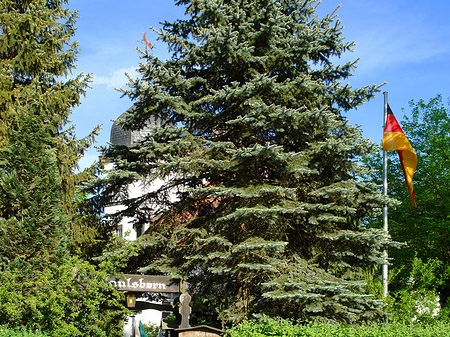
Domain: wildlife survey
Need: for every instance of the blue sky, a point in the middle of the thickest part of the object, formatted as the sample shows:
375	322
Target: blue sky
403	42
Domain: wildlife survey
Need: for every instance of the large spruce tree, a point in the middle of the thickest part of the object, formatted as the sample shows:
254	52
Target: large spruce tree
265	167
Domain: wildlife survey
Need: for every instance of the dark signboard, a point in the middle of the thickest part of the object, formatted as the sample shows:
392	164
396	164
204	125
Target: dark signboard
145	283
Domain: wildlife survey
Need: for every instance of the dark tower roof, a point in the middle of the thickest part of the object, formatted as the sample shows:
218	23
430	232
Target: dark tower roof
120	136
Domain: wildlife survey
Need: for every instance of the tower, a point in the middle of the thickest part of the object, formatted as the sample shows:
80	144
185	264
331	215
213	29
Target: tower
122	137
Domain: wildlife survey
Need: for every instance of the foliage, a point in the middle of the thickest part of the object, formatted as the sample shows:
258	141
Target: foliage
6	332
262	196
43	218
37	94
374	282
424	229
33	224
417	299
152	330
405	306
64	300
271	327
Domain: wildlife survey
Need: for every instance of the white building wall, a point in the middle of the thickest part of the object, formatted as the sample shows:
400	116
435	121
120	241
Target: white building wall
148	316
125	228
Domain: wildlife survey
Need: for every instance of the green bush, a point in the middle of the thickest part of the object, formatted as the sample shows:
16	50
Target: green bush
414	296
6	332
265	326
151	329
67	300
405	306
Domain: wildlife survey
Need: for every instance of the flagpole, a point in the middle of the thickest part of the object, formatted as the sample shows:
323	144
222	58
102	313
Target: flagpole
385	208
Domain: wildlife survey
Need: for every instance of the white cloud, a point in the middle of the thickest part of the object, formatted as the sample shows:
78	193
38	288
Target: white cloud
390	49
115	79
393	36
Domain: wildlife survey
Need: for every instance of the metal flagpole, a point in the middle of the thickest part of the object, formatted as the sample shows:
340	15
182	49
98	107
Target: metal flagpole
385	208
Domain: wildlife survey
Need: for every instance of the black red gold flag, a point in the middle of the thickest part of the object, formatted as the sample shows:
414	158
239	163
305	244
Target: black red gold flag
395	139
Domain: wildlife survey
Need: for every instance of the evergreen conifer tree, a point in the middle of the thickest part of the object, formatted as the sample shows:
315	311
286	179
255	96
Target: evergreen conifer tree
34	226
41	218
265	167
39	152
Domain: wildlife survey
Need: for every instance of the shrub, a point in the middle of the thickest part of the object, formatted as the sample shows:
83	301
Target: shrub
6	332
264	326
151	329
68	300
416	297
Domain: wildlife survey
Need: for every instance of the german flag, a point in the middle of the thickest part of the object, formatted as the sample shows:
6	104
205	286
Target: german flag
395	139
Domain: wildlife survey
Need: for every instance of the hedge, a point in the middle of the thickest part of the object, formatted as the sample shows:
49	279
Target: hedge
265	327
6	332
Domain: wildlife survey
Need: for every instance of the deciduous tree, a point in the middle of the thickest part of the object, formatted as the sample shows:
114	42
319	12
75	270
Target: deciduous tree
424	228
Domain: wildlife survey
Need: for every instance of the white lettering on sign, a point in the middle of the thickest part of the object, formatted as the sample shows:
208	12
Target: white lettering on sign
145	283
138	285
